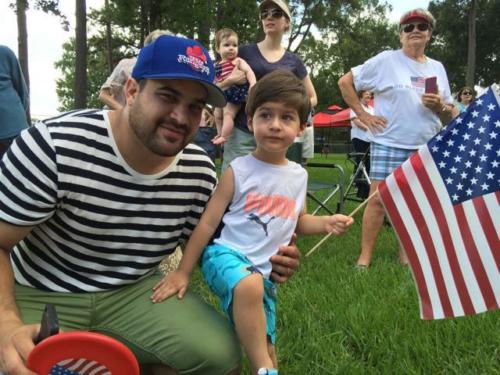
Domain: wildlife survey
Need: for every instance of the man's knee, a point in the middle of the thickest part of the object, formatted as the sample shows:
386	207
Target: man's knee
217	355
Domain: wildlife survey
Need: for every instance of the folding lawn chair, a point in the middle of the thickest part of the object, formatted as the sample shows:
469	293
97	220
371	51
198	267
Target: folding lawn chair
359	183
326	180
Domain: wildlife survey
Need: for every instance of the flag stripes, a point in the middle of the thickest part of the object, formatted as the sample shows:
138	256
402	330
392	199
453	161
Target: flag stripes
452	257
80	366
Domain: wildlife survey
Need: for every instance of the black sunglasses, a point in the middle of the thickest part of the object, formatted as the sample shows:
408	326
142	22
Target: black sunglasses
274	13
411	26
466	93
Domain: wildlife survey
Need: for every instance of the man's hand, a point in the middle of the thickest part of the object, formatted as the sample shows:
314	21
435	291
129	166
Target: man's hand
286	262
373	123
15	347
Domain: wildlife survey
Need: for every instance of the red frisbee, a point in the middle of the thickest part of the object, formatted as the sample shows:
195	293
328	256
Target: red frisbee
82	353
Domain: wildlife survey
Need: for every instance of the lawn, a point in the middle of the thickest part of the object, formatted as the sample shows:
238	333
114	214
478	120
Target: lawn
333	319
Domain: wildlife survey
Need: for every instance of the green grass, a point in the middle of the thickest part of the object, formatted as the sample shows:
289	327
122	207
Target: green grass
333	319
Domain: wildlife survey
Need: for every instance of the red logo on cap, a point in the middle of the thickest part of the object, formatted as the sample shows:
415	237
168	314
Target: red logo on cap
196	58
197	52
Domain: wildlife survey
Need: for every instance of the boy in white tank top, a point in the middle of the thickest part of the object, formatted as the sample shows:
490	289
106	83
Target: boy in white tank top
257	206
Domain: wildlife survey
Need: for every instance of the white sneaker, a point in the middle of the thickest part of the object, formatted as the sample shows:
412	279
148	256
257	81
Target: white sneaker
267	371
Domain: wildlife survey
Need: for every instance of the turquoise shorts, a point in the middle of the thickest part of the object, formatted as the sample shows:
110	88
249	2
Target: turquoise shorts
223	268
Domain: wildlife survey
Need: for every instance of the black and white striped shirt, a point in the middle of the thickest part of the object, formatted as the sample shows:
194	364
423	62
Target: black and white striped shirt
98	223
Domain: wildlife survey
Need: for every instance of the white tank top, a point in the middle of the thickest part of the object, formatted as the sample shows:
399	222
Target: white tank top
266	205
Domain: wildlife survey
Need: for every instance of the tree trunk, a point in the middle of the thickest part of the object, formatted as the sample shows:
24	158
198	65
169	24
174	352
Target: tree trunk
109	38
205	24
144	21
22	44
471	49
81	55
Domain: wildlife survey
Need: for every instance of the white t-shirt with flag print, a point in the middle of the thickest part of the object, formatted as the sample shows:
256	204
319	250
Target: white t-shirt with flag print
398	83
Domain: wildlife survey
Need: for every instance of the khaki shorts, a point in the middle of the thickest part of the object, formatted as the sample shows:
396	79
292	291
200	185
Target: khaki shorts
307	140
187	335
239	144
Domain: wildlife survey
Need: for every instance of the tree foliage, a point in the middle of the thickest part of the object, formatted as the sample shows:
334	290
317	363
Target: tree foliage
330	36
450	40
97	73
20	7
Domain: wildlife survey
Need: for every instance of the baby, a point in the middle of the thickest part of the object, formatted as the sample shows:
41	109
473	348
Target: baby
226	45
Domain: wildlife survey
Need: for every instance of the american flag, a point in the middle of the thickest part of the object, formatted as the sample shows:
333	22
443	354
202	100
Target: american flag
80	366
444	206
418	82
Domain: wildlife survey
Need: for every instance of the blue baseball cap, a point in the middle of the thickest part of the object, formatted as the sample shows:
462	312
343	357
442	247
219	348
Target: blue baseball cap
173	57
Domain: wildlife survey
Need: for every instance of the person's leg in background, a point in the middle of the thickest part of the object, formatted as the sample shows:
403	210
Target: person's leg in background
373	219
384	160
5	144
362	186
239	144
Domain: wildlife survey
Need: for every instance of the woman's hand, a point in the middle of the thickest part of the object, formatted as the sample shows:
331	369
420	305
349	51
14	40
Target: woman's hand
433	101
286	262
373	123
237	77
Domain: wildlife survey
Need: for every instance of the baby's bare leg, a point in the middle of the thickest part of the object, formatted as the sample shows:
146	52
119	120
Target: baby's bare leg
218	115
230	111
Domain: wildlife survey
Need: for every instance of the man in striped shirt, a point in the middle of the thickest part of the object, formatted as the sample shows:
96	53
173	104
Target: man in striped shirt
91	201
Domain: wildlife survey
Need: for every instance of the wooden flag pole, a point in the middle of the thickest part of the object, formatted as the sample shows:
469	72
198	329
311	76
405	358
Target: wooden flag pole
350	215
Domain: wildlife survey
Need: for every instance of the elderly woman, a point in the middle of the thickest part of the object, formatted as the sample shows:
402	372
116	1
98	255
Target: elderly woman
405	116
464	97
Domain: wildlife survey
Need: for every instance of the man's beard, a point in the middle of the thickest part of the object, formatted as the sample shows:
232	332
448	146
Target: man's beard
146	132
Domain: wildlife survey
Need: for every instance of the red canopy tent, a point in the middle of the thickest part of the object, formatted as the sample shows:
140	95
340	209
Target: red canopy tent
334	116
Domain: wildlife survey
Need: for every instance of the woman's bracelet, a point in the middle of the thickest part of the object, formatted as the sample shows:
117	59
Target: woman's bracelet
444	109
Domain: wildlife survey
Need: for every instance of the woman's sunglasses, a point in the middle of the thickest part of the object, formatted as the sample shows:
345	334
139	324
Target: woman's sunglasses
411	26
466	93
274	13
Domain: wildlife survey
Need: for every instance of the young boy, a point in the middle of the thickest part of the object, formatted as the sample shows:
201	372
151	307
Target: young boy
266	196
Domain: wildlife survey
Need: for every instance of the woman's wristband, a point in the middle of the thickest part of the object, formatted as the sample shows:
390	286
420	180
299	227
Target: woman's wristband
444	109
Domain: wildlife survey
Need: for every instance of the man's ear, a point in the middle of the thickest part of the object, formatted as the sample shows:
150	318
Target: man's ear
131	90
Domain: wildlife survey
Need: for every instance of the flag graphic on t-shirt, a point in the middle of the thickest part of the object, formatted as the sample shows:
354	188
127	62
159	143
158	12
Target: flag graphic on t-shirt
417	82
